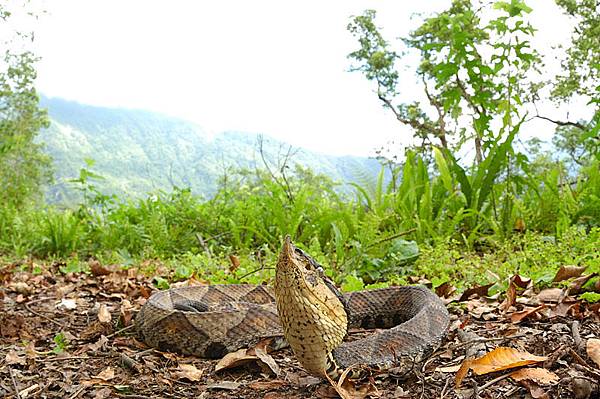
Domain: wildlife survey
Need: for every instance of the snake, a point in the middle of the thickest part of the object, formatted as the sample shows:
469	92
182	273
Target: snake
307	309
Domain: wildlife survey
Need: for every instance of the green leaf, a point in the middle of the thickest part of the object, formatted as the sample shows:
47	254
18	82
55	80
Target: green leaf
591	297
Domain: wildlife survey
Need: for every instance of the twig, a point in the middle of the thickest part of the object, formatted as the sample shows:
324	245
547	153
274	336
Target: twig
14	381
482	340
76	394
445	387
576	335
495	380
40	314
56	359
120	331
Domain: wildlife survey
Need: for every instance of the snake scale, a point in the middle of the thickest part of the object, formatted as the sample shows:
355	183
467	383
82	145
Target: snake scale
304	307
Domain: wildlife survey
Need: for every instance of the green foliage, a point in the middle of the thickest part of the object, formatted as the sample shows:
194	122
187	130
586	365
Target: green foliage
60	342
591	297
24	168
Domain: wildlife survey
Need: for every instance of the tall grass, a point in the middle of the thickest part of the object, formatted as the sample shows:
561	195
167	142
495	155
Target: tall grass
365	233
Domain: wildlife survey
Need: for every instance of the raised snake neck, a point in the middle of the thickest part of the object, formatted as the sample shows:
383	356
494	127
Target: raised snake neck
210	321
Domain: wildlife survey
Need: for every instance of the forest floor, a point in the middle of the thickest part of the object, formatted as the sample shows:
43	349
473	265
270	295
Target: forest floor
73	336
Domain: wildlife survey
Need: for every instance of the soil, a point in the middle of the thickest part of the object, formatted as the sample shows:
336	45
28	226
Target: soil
73	336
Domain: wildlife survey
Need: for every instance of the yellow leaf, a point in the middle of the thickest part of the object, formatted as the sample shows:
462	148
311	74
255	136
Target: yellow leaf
189	372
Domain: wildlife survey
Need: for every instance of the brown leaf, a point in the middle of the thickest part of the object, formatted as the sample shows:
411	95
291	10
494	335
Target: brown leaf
262	354
579	282
567	272
480	290
511	296
536	391
347	389
521	282
501	358
235	359
551	295
536	374
592	348
105	375
97	269
104	314
188	372
445	290
13	357
517	317
235	262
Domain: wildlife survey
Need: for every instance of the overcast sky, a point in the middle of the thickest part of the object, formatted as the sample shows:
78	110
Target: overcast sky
273	67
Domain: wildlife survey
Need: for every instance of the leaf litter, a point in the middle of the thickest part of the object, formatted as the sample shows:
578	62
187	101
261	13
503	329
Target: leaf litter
72	335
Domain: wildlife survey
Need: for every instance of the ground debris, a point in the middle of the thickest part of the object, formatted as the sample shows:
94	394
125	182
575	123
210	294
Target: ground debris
72	335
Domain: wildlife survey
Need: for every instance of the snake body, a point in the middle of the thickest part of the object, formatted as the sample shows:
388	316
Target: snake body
305	307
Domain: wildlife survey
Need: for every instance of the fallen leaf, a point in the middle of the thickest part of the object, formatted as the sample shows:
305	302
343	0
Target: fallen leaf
235	359
13	357
347	389
579	282
501	358
449	369
550	295
445	290
106	375
536	391
511	296
262	354
69	304
567	272
517	317
98	344
592	348
104	314
480	290
235	263
537	374
189	372
97	269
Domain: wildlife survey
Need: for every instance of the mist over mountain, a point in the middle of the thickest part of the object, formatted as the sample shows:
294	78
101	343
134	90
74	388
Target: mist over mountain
140	151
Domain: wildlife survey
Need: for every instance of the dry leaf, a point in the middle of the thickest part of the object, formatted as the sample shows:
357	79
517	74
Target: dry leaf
189	372
536	391
262	354
550	295
511	296
106	374
104	314
481	290
68	303
235	359
501	358
347	389
592	348
445	290
13	357
235	263
567	272
449	369
579	282
537	374
97	269
517	317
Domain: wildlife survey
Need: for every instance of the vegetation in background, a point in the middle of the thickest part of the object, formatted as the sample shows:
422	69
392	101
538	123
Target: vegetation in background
24	168
437	213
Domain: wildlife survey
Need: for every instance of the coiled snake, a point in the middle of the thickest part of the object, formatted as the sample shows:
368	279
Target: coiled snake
304	306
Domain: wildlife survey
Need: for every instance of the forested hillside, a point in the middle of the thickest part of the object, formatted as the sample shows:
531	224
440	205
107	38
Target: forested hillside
137	152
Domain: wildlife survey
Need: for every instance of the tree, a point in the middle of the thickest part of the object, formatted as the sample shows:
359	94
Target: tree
24	168
580	77
468	68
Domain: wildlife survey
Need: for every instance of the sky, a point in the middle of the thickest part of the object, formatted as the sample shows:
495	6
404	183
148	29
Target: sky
273	67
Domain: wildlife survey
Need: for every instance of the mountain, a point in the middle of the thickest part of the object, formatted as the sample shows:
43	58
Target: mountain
139	152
